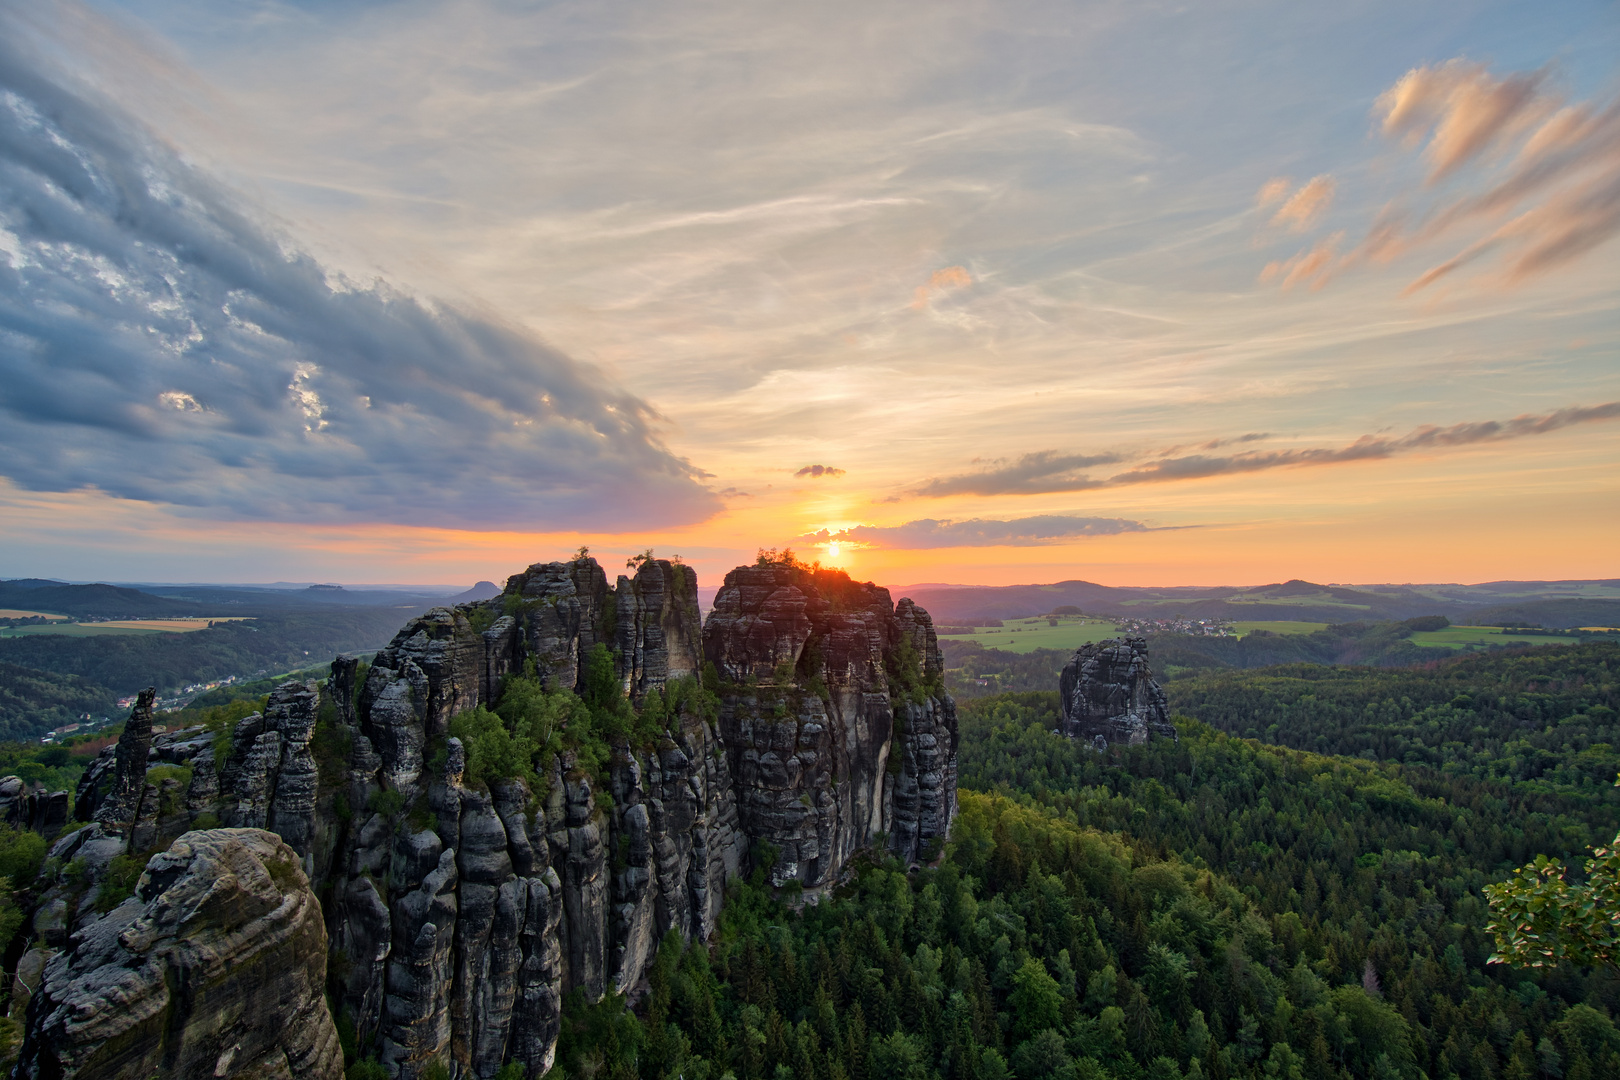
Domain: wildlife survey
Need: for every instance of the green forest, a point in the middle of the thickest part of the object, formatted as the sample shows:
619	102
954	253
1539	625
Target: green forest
1213	907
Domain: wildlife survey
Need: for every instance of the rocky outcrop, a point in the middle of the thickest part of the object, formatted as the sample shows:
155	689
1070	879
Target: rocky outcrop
1109	695
658	634
214	967
121	807
44	812
832	710
269	781
461	906
462	913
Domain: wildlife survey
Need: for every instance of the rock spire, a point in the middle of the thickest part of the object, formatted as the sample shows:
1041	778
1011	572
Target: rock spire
1109	695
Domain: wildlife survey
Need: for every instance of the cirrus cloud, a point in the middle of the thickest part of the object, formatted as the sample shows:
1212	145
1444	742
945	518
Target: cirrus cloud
160	342
1306	206
1512	168
1038	531
1049	472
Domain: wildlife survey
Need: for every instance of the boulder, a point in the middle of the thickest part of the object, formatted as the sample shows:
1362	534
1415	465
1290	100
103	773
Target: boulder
215	967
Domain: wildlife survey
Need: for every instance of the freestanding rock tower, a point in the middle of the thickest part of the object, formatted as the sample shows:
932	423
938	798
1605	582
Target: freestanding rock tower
834	716
1109	695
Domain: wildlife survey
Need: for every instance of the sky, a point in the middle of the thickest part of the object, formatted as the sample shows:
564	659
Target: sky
1138	293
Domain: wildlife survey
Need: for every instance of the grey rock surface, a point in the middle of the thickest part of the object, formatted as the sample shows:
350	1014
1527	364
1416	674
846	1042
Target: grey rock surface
121	807
834	717
215	967
459	913
1109	695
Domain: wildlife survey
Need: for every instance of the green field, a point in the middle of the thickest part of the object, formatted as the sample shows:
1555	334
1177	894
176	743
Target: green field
1027	635
1462	637
1280	627
73	630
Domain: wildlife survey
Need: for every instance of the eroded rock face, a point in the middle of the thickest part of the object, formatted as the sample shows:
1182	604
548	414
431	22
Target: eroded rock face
659	635
1109	695
269	781
463	915
214	968
45	812
459	914
121	806
834	717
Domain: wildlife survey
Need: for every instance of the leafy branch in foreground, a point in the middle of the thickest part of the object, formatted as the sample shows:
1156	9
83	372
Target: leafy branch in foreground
1542	920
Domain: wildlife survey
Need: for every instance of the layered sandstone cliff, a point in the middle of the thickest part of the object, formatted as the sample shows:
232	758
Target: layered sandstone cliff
834	714
459	911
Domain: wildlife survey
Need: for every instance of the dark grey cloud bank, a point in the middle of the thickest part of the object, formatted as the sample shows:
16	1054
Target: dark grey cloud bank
159	343
977	532
1050	472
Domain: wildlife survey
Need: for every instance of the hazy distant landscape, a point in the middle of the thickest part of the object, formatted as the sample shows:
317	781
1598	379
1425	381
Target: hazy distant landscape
71	650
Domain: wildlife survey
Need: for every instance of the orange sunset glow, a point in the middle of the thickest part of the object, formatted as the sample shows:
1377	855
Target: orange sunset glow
1146	322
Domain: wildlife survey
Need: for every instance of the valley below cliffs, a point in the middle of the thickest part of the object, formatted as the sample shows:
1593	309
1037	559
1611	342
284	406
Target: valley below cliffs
517	799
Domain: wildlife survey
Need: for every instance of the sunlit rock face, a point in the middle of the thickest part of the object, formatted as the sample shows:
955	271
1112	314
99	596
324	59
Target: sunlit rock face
1109	695
457	913
834	716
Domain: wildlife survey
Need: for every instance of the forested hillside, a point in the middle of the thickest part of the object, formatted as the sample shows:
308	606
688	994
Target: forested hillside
125	663
46	679
1215	907
1550	714
32	701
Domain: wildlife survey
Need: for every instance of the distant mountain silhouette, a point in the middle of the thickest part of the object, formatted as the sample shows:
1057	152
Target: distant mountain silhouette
484	590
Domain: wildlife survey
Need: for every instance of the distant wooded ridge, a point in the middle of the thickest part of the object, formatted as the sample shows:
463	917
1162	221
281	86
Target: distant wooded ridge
1553	604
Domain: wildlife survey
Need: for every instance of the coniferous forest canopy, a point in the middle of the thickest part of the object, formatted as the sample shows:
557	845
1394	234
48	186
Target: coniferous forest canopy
1216	907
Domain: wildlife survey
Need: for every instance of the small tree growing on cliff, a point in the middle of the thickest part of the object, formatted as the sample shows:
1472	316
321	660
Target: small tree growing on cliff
785	558
636	562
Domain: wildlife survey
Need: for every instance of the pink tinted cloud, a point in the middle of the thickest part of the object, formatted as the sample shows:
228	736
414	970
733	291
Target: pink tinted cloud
1463	109
1274	190
1307	205
941	281
1531	183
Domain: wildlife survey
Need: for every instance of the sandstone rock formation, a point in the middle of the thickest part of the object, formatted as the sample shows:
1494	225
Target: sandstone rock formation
460	907
1109	695
45	812
215	967
834	715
